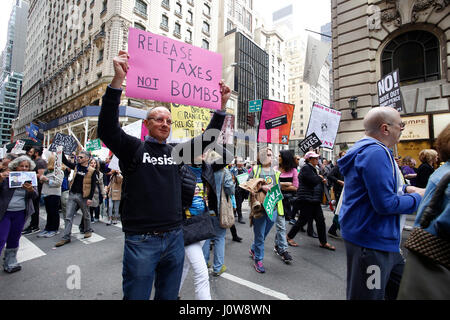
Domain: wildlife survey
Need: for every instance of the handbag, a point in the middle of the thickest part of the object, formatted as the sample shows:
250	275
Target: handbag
199	227
226	216
427	269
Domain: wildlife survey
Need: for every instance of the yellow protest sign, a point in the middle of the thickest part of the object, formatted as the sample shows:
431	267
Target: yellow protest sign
188	121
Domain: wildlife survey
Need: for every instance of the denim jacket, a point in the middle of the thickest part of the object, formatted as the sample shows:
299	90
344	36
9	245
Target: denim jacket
443	221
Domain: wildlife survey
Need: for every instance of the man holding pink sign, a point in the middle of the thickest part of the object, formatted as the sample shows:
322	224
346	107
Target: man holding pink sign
151	194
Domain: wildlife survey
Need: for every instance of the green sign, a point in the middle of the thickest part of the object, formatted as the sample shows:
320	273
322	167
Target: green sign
93	145
272	197
254	105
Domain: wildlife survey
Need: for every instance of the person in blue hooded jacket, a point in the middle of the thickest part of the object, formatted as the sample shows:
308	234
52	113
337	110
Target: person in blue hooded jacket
374	200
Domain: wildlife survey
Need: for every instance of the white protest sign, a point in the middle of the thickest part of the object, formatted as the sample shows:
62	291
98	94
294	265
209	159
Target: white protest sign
324	122
18	178
18	147
58	159
133	129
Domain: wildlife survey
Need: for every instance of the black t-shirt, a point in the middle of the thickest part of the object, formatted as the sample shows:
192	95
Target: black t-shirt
77	185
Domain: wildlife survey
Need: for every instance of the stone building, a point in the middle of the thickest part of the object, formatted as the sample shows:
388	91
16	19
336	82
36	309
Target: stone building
371	39
71	45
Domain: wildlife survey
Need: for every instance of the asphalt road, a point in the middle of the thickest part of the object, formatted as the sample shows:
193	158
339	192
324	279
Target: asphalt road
49	273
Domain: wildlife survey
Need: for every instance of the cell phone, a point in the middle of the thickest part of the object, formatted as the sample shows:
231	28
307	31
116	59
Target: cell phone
28	181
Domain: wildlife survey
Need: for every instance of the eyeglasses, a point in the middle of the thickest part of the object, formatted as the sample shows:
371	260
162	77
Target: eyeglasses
401	124
161	121
80	157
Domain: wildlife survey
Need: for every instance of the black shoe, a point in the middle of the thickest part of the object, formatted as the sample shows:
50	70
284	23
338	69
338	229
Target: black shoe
30	230
241	221
237	239
286	257
313	235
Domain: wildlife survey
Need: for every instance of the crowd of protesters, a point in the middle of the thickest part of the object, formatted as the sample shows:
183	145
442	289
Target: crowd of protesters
154	195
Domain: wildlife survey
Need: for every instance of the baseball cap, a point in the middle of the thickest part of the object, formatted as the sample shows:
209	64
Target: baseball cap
311	154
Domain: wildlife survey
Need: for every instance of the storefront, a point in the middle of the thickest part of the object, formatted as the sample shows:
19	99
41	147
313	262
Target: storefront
82	124
420	133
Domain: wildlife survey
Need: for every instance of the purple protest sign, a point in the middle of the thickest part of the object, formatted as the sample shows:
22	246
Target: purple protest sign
167	70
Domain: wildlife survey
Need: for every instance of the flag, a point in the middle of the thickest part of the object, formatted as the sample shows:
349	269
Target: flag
316	53
33	131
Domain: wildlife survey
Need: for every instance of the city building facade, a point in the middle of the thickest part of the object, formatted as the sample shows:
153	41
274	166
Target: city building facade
374	38
81	39
12	68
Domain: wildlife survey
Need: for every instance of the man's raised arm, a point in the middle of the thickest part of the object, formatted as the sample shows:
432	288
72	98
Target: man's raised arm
109	131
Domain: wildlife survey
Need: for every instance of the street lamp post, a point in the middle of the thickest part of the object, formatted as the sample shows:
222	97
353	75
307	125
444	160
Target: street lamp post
235	64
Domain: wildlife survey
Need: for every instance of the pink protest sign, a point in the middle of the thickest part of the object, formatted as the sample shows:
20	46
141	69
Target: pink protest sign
167	70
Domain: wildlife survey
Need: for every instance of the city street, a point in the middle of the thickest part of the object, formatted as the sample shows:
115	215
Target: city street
48	273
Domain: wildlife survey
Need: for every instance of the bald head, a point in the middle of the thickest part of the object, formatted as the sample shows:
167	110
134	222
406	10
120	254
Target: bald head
152	111
376	117
384	124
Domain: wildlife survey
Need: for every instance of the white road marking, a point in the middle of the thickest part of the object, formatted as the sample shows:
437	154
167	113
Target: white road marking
257	287
27	250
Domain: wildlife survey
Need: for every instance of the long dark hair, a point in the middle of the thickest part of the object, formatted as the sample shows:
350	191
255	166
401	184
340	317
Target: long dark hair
287	160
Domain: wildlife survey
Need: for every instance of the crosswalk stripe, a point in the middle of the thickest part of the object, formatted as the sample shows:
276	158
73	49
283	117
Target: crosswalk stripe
28	250
256	287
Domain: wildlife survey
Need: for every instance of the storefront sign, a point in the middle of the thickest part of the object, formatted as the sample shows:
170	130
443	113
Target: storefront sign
416	128
440	121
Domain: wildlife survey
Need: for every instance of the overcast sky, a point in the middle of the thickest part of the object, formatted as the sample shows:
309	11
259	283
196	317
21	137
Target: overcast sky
309	14
5	12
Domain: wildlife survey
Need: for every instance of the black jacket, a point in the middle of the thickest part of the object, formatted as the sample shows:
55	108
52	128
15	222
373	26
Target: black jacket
151	190
423	174
310	185
188	181
333	177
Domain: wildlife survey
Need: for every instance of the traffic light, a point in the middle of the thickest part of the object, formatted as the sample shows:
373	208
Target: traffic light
250	119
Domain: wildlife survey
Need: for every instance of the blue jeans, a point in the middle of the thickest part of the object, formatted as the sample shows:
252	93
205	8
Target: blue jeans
261	228
280	237
148	257
219	246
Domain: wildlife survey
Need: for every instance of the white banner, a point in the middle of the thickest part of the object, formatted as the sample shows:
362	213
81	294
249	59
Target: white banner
58	158
316	53
18	147
133	129
324	122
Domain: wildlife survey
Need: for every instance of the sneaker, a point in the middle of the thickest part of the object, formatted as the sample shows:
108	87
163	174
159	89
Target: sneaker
292	221
51	234
12	269
259	267
62	242
42	234
30	230
87	234
286	257
222	270
276	250
252	254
